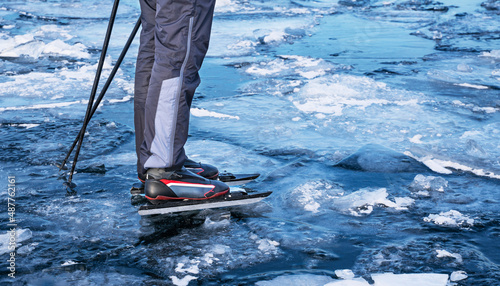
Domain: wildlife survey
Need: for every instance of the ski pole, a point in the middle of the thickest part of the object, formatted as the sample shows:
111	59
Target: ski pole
94	87
104	89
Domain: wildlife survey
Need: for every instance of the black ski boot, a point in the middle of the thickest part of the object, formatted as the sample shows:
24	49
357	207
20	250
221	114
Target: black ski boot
162	185
205	170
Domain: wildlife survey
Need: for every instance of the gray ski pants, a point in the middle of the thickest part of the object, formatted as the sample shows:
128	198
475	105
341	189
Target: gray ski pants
173	43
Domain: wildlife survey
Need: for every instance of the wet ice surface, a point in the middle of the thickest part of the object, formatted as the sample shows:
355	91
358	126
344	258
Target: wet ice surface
375	123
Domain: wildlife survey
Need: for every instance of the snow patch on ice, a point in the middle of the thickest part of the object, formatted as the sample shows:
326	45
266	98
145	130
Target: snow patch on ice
69	262
441	166
469	85
363	201
20	236
124	99
350	282
220	249
460	167
311	196
297	280
416	139
193	268
183	281
344	273
267	245
458	276
380	279
42	106
417	279
200	112
306	67
222	6
492	54
475	108
333	94
444	253
451	218
210	224
27	45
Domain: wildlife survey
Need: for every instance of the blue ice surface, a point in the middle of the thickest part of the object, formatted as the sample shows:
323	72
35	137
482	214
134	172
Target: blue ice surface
404	94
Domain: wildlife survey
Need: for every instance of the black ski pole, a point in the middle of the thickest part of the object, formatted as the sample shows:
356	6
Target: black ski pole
105	88
94	87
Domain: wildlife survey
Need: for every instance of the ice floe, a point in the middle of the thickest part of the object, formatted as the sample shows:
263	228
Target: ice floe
423	184
427	279
458	276
28	45
380	159
362	202
450	218
333	94
344	273
380	279
184	281
16	237
318	196
444	253
297	280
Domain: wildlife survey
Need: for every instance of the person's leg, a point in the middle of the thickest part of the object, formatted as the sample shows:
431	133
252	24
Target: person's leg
182	35
144	66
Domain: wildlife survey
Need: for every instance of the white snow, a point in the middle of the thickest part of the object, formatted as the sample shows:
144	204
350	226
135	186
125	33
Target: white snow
27	45
193	269
297	280
440	166
469	85
68	263
25	125
124	99
316	196
363	201
311	196
458	276
220	249
475	108
21	235
444	253
183	281
493	54
344	273
267	245
458	166
420	279
42	106
353	282
200	112
306	67
210	224
380	279
416	139
275	36
451	218
332	94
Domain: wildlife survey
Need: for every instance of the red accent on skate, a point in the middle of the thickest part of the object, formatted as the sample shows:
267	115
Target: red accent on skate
165	198
214	176
166	182
140	179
